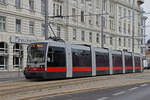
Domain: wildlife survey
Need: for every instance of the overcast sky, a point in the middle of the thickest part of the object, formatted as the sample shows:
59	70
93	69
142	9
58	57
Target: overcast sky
146	7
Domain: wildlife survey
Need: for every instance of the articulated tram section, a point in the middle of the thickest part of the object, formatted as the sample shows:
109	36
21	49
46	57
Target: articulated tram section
57	60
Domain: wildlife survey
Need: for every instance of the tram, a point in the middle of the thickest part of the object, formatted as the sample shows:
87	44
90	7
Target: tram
56	60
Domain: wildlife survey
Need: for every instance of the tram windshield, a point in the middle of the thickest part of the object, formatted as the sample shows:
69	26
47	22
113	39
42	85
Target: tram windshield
36	53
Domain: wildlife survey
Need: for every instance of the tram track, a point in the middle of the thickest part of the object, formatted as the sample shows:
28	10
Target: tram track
14	88
23	87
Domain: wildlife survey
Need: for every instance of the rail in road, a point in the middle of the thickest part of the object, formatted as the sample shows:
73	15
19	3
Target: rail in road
32	89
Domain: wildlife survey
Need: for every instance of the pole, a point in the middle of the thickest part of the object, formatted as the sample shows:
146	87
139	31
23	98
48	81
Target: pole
102	25
144	19
133	33
46	19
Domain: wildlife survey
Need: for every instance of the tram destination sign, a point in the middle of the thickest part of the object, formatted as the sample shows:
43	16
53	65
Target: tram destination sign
24	40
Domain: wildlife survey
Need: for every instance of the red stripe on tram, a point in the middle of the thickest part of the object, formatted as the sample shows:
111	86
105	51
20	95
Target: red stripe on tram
117	68
129	67
102	68
35	69
64	69
137	67
56	69
77	69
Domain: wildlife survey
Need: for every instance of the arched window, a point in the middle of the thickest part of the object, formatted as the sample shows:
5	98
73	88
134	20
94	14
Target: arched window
3	55
17	56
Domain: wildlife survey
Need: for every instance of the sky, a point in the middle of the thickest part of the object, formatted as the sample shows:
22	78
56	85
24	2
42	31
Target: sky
146	7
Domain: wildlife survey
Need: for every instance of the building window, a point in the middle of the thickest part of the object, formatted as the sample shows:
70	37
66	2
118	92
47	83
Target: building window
17	56
97	20
125	12
119	41
58	31
124	27
124	42
120	26
54	9
43	29
3	55
82	35
31	27
73	14
43	6
104	39
110	24
129	14
18	25
104	4
2	1
129	42
18	3
90	19
120	11
31	4
97	3
111	41
97	38
2	23
104	21
57	10
74	34
61	10
82	16
90	37
138	41
129	29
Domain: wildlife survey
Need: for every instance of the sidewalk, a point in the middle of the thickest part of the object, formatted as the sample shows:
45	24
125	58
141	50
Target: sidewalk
9	75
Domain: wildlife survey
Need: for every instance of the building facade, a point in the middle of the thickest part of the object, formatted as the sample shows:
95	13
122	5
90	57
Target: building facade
20	24
75	21
82	22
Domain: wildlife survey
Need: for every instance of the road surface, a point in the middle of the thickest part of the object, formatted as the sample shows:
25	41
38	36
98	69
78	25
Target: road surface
133	92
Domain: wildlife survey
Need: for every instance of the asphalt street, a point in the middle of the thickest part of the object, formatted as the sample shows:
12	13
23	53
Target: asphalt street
132	92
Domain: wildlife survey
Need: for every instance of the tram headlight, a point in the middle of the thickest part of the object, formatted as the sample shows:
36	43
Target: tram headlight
41	66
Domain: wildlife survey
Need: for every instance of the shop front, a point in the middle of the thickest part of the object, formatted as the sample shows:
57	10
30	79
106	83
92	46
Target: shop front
13	54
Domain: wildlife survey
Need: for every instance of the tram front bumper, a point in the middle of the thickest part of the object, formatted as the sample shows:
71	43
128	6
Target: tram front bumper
35	74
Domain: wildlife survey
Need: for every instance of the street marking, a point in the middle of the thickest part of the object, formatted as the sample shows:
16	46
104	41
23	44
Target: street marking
143	85
119	93
103	98
133	88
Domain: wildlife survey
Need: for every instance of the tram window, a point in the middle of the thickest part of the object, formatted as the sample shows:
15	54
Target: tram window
128	60
102	59
56	57
117	60
50	56
81	58
137	61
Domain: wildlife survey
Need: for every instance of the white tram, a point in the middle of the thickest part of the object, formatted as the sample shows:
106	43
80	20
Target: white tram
54	60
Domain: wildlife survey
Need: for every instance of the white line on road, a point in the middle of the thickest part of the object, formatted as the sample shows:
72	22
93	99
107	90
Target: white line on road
143	85
119	93
103	98
133	88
